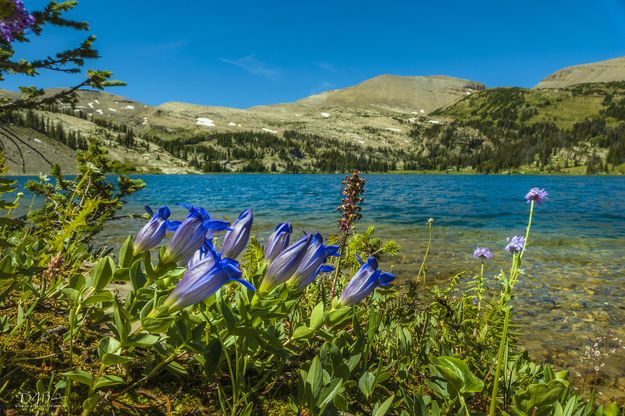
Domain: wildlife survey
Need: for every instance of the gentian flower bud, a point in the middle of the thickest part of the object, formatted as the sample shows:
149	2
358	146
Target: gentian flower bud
202	279
278	241
364	282
190	235
153	232
285	264
237	237
312	263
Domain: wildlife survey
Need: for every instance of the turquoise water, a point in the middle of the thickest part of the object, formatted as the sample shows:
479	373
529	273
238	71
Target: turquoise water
573	288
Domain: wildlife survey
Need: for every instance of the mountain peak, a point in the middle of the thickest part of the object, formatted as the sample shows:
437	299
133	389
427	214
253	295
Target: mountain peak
602	71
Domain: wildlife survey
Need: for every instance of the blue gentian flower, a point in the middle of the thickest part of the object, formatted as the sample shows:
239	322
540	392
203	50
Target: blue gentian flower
482	253
364	282
278	241
312	263
536	194
515	244
237	237
285	264
202	279
191	234
154	231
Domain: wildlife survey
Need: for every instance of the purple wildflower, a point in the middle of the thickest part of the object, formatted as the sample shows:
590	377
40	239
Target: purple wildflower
515	244
203	278
285	264
364	282
154	231
536	194
191	235
482	253
237	237
16	22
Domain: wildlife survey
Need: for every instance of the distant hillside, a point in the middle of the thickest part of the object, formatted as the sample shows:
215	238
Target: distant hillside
383	124
603	71
580	129
399	93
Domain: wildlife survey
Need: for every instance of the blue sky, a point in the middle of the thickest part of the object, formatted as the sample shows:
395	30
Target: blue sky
245	53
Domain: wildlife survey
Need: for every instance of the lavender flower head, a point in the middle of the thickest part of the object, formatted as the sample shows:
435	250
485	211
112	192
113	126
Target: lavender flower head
313	262
364	282
237	237
154	231
191	235
15	20
278	241
285	264
536	194
203	278
482	253
515	244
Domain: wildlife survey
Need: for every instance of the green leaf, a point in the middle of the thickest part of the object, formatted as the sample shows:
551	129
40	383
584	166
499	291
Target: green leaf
77	282
71	294
90	403
316	317
302	332
612	409
125	253
338	316
315	377
457	373
102	273
142	340
108	380
137	277
366	383
114	359
384	407
108	345
538	399
80	376
340	402
99	297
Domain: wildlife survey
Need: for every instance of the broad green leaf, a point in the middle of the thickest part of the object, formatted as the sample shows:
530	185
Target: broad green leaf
102	296
302	332
314	377
114	359
142	340
102	273
366	383
108	345
125	253
384	407
80	376
457	373
108	380
316	317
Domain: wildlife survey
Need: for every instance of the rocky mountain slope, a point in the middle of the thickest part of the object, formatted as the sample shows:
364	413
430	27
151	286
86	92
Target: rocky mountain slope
385	123
603	71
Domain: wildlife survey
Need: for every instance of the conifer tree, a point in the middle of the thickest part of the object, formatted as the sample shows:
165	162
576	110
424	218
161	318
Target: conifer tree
18	25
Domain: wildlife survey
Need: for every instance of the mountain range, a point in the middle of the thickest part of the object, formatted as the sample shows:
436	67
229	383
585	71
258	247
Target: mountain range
385	123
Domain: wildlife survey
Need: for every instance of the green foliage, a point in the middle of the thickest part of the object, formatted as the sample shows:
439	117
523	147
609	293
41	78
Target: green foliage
505	129
405	350
69	61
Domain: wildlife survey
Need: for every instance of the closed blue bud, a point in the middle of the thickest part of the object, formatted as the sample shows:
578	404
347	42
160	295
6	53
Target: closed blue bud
278	241
237	237
190	235
153	232
364	282
202	279
285	264
312	263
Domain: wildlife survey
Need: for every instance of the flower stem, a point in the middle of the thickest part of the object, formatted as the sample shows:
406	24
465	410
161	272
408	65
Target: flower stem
502	344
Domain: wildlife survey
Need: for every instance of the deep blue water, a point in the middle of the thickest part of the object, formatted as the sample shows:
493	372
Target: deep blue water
574	283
